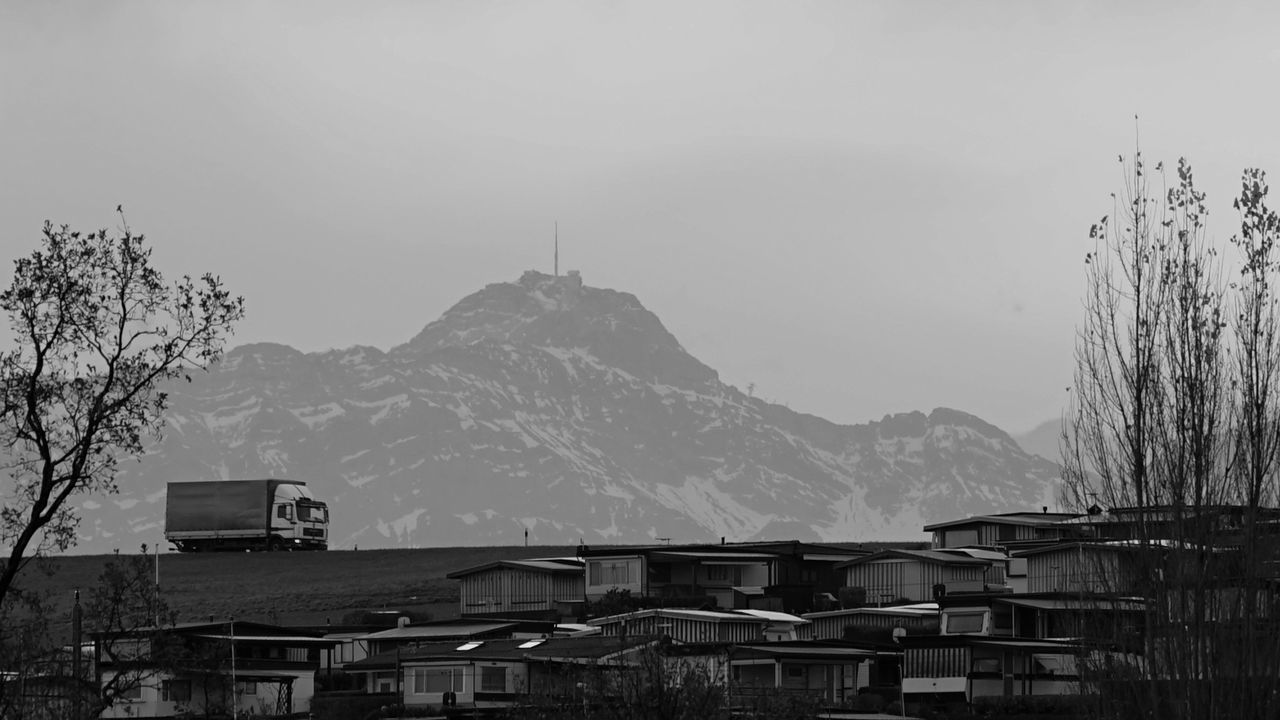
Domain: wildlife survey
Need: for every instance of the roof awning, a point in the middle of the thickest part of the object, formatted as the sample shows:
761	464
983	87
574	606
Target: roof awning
292	640
804	653
1063	604
714	558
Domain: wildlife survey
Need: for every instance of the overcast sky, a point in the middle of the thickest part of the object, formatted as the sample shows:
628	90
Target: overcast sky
860	207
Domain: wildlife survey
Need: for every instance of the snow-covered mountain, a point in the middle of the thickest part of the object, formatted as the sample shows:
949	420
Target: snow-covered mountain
566	410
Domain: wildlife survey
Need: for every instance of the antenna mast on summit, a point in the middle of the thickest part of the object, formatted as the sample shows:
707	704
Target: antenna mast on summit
557	265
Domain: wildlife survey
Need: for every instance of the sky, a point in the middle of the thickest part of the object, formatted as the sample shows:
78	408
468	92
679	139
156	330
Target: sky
858	208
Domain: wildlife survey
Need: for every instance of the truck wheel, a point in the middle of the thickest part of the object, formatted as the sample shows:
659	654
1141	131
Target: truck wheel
273	545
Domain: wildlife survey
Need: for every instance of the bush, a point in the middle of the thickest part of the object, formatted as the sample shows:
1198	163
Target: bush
866	703
347	706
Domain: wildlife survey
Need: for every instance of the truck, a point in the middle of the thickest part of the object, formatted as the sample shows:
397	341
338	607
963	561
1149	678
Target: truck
269	514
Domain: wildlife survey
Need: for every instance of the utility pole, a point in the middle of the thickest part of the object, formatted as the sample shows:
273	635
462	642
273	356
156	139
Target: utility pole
234	710
76	651
557	262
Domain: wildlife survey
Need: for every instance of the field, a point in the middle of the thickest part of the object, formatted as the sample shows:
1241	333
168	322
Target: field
286	588
304	588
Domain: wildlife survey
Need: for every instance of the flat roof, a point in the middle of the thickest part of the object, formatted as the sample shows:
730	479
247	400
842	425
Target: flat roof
714	558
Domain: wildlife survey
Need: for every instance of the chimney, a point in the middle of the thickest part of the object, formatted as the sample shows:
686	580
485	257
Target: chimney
1044	509
721	539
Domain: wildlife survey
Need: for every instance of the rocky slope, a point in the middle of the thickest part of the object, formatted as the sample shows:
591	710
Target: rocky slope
571	412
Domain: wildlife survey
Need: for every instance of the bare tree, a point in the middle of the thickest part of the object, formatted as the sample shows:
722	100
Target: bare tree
1174	417
97	333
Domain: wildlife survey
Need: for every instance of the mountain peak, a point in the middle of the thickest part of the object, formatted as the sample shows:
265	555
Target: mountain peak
562	313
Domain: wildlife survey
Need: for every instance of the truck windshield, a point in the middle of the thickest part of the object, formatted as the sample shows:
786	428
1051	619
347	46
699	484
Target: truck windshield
313	513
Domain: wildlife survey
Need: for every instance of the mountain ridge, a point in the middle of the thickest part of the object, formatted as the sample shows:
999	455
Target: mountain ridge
568	411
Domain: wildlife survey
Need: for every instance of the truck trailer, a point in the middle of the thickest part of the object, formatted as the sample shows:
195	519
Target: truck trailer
266	514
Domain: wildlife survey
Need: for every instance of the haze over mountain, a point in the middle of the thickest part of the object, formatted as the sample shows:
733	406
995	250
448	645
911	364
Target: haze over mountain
570	412
1044	440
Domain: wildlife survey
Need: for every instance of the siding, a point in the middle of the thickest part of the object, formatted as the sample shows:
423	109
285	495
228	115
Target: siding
894	578
983	533
683	629
1074	569
625	572
831	627
505	589
936	662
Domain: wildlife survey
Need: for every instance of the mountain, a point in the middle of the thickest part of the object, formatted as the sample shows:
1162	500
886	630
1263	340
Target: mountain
568	411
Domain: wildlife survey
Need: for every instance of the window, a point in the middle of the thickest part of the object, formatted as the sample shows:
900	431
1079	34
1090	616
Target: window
346	652
175	691
1053	664
428	680
132	693
725	574
967	622
246	687
284	512
988	666
614	572
493	679
128	649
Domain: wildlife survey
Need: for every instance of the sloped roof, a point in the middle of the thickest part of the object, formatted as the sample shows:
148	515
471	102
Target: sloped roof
774	548
554	649
561	566
1018	518
803	650
914	610
930	556
708	615
1075	604
439	631
774	616
241	629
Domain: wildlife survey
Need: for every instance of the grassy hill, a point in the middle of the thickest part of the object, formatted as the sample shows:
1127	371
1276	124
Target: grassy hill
286	588
295	588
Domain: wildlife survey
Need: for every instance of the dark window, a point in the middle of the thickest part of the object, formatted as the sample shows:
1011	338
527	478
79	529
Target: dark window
493	679
965	622
175	690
